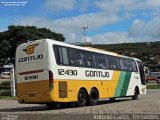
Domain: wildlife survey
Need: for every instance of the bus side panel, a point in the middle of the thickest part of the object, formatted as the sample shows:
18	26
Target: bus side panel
70	89
123	83
111	85
106	88
135	81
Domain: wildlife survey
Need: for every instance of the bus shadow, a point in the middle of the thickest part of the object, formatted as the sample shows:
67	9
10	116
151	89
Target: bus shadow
44	108
110	102
23	109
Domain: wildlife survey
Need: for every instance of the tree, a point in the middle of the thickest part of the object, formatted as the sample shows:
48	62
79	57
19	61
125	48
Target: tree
15	35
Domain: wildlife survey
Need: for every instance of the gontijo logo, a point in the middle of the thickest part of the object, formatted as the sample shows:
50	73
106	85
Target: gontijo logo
30	49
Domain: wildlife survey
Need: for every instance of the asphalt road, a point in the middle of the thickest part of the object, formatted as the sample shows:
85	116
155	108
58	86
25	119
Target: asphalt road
125	108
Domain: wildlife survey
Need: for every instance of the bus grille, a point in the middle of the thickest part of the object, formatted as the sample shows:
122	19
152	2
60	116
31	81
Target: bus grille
62	89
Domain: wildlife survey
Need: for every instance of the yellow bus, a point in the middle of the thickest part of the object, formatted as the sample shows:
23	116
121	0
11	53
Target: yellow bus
50	72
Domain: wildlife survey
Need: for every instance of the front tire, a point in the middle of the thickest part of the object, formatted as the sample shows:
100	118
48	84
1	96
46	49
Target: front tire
136	93
82	98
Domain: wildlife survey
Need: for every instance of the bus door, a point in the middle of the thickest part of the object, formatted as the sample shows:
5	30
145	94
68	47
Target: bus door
141	71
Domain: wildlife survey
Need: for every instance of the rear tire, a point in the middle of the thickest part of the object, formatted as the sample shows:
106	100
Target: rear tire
82	98
136	93
93	97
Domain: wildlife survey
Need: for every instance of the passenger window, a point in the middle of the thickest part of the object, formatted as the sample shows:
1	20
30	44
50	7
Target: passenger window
128	65
57	56
114	63
65	56
102	61
76	57
134	66
89	59
61	55
124	64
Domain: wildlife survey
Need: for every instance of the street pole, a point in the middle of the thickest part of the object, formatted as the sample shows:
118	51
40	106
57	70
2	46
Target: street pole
13	82
84	28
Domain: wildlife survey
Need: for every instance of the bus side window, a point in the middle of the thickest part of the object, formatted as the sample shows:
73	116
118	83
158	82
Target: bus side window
123	67
56	52
114	63
61	55
65	56
89	59
76	58
102	61
134	66
141	71
128	65
87	63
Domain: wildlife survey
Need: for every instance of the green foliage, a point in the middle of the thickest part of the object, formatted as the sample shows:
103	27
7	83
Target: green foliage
5	83
153	86
5	88
5	93
139	48
15	35
8	97
149	53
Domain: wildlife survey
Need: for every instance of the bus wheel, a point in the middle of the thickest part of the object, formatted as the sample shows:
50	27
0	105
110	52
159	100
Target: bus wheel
51	105
136	93
93	98
82	98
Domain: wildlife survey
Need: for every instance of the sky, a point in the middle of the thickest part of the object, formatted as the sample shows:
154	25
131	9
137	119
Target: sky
108	21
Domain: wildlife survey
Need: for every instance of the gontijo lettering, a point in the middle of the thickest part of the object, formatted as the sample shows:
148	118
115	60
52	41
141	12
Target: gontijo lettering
96	73
30	58
30	50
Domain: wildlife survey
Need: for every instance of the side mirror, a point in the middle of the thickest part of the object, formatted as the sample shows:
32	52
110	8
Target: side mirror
146	71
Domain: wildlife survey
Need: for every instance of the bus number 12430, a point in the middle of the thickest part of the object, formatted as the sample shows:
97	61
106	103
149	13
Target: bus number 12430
67	72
